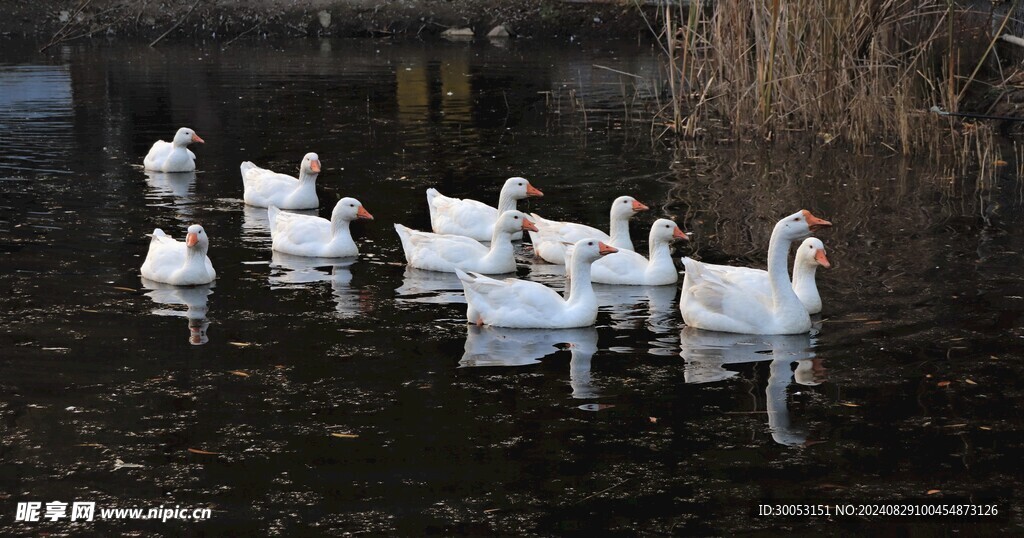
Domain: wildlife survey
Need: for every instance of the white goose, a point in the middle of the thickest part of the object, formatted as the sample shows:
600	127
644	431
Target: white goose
446	252
809	255
475	219
711	302
549	241
181	264
315	237
173	156
629	268
265	188
530	305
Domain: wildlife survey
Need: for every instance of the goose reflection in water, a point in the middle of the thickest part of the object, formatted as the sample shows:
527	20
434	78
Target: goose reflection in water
706	354
421	286
287	271
177	184
497	346
194	298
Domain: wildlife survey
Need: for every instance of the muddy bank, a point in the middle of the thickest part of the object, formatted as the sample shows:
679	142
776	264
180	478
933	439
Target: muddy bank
224	20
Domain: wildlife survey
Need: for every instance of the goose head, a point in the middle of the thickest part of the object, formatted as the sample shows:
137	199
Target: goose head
196	239
624	207
514	221
812	252
310	164
186	136
666	231
590	250
799	225
349	209
519	188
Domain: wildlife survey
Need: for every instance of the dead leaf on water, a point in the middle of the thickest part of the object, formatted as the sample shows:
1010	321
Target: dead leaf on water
934	491
986	428
239	373
489	510
942	384
970	381
122	288
203	452
999	162
90	445
653	420
849	404
345	435
240	344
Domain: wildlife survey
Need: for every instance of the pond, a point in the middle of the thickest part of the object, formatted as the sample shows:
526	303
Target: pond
321	397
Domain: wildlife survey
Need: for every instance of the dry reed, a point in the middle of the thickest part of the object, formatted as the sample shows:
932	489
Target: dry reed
861	71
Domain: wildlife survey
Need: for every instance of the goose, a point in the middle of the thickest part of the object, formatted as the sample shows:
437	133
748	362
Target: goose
315	237
446	252
809	256
181	264
474	219
173	156
265	188
522	304
629	268
710	302
548	241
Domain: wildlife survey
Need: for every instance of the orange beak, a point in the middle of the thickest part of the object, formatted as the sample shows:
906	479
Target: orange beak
533	191
195	138
637	206
191	239
363	213
820	256
314	166
604	249
527	225
814	223
678	234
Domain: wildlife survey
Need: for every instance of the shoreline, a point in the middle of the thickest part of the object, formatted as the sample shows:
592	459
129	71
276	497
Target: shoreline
48	22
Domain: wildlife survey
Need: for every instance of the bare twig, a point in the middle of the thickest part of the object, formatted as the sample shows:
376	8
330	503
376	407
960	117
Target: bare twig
177	24
54	40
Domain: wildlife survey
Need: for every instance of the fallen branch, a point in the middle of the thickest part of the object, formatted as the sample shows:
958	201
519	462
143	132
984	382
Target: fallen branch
232	40
177	24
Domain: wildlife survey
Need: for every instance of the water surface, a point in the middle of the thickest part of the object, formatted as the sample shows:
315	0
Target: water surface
909	383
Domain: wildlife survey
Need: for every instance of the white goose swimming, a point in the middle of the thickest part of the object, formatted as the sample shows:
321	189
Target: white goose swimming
446	252
265	188
475	219
809	256
530	305
179	263
173	156
316	237
551	236
710	302
630	268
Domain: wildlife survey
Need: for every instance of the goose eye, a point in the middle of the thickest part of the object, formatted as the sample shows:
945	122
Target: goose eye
590	244
516	217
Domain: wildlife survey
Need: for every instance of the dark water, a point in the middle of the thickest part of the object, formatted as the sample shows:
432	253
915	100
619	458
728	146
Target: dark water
910	383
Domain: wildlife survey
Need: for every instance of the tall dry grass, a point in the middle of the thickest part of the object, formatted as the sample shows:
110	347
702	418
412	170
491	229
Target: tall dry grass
860	71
